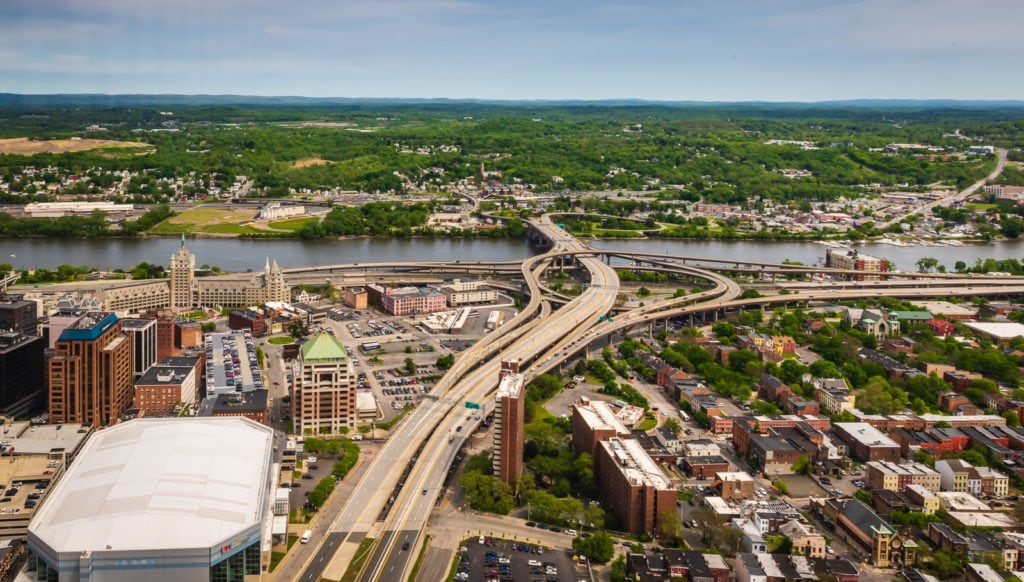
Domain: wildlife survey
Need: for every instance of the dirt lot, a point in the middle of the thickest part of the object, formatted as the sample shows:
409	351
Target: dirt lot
310	162
25	147
802	486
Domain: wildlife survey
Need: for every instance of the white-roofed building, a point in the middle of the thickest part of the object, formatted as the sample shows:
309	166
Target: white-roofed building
159	499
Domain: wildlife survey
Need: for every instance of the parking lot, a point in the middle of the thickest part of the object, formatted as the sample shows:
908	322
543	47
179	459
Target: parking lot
486	558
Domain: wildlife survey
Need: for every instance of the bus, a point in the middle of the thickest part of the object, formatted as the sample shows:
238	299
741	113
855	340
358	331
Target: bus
369	346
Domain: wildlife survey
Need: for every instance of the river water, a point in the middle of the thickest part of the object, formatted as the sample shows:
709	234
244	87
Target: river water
234	254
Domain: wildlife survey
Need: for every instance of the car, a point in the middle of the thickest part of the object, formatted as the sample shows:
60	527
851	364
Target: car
825	480
307	476
571	532
424	492
555	529
531	524
542	526
405	546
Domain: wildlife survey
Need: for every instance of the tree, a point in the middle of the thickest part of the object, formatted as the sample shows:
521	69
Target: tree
410	366
926	264
599	547
445	362
674	426
670	526
619	569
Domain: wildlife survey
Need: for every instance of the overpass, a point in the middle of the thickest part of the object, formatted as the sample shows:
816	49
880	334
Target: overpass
394	511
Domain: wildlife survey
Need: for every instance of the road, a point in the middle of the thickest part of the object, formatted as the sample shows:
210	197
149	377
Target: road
392	559
961	195
422	445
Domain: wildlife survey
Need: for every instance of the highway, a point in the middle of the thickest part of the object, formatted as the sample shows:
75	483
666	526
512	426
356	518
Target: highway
422	442
961	195
424	483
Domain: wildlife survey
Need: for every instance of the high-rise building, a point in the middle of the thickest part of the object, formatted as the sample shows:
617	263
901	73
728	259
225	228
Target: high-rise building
18	314
142	334
323	387
90	374
509	412
22	374
183	272
633	485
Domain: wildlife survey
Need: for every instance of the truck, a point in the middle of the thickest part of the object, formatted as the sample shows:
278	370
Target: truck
306	535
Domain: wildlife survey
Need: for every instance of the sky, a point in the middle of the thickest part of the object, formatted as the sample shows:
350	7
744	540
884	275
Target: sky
676	50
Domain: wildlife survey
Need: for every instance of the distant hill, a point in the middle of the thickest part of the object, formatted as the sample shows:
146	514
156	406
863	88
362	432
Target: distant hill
166	100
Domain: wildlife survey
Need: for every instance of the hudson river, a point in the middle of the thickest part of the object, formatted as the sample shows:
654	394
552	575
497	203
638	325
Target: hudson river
240	254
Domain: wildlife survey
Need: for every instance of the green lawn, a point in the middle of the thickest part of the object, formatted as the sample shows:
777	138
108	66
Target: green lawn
362	552
229	229
294	224
980	206
280	340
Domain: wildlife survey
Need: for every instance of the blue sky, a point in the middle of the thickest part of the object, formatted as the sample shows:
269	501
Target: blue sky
728	50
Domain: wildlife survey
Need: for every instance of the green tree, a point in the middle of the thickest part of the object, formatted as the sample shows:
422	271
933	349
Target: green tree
599	547
410	366
445	362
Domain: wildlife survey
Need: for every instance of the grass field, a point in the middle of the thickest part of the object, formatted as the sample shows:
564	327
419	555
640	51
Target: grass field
294	224
23	146
979	206
207	220
280	340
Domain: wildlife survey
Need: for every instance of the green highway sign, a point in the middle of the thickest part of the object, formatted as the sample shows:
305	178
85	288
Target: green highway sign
472	405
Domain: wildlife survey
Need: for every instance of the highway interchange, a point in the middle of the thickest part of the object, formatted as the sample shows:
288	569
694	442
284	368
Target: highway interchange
396	494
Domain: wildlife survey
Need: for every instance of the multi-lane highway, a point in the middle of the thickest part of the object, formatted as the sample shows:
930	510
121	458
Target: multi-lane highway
424	445
401	530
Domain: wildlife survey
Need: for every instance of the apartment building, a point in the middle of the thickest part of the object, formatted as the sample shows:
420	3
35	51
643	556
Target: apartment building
509	418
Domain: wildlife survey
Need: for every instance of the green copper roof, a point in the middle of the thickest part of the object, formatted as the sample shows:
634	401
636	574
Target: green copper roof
323	347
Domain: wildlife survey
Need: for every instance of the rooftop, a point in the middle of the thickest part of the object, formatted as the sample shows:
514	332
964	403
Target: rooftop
510	385
323	347
997	330
160	483
598	415
636	464
865	434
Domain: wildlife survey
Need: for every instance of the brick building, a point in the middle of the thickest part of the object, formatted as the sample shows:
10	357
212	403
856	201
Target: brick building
509	418
633	485
593	422
90	374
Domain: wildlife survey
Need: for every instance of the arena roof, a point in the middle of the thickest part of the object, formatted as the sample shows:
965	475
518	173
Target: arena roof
160	483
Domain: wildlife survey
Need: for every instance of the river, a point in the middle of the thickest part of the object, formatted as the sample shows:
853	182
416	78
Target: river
234	254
